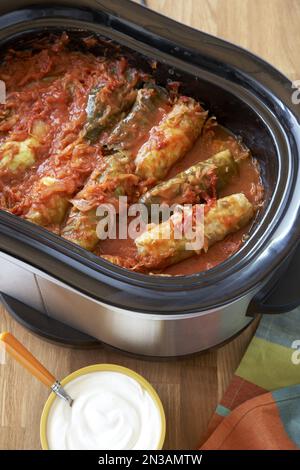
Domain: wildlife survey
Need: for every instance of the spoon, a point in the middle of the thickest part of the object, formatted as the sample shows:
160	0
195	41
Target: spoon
27	360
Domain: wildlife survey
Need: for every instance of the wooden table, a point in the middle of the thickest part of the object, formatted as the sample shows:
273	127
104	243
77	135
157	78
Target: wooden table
189	388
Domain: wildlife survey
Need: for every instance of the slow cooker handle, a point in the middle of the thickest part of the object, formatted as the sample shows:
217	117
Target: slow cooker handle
283	295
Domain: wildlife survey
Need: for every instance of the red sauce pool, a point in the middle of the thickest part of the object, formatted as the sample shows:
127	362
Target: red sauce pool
247	182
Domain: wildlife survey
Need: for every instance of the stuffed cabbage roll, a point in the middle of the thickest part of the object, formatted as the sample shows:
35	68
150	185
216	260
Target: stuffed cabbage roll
197	182
108	100
105	185
18	156
171	139
158	247
60	177
131	131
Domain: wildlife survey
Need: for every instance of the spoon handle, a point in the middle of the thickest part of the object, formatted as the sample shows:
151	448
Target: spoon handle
26	359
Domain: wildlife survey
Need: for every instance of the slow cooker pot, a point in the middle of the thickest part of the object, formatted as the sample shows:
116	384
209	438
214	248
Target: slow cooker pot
155	315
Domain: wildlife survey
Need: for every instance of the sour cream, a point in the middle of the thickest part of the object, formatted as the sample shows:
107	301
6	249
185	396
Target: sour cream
111	411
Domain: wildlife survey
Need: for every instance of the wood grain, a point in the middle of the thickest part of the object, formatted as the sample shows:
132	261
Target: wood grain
269	28
190	388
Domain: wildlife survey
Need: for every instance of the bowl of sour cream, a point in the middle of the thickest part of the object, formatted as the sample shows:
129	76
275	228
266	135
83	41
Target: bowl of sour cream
114	408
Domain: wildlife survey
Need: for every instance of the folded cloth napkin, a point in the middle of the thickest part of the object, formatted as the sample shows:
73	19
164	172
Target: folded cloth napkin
261	407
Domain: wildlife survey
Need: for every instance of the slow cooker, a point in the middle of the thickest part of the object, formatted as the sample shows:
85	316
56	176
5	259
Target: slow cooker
55	283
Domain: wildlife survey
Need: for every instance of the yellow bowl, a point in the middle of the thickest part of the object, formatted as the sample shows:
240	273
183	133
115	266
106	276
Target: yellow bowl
111	368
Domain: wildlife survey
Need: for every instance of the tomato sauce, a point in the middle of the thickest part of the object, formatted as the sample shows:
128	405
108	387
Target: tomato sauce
213	140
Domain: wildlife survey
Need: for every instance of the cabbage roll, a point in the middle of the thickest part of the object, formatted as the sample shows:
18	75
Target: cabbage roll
158	247
197	182
171	139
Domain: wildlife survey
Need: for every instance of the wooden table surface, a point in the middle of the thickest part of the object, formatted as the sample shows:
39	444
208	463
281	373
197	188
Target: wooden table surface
189	388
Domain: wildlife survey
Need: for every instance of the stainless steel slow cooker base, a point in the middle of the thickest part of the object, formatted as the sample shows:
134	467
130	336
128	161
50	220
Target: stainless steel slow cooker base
139	333
58	333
